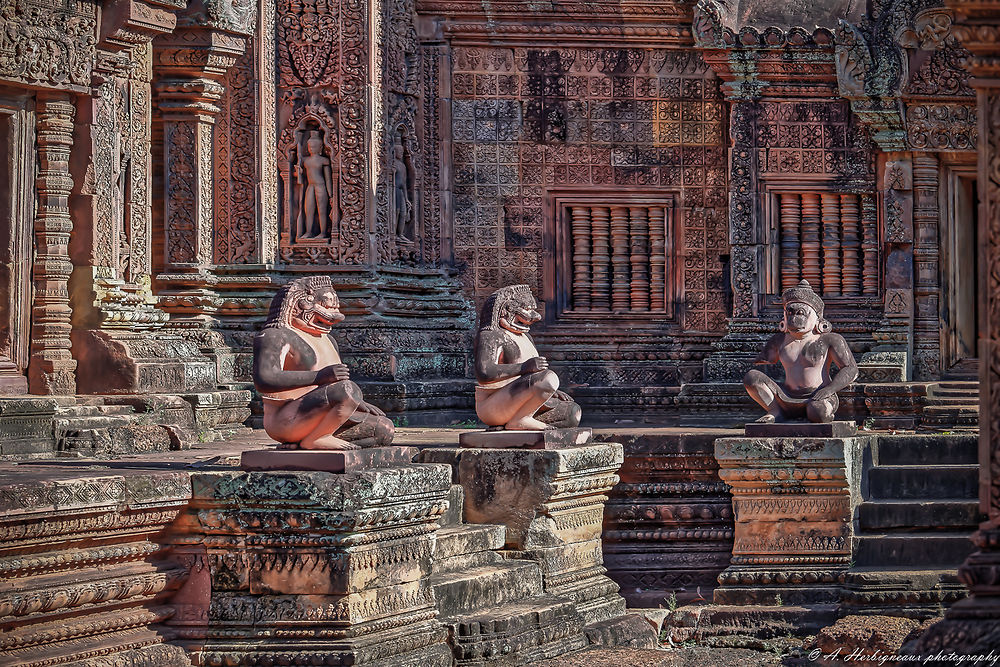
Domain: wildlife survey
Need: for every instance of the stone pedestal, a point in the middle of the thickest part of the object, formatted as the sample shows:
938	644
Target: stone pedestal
793	500
553	439
552	503
352	460
314	568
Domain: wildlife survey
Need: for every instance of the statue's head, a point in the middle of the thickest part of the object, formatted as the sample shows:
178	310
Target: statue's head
803	311
309	304
314	143
512	308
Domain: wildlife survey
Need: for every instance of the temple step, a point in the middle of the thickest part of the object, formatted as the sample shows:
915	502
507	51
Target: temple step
486	587
928	550
517	633
928	450
465	546
918	482
917	515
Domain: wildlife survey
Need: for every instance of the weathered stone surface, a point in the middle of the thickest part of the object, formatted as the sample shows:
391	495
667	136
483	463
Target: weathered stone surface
85	577
794	501
307	566
353	460
551	503
549	439
864	635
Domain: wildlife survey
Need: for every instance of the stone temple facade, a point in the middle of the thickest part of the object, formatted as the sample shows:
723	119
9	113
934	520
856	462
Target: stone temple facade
656	172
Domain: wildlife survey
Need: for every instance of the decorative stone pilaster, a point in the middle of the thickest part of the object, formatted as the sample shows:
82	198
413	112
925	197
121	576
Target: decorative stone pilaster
313	568
972	626
793	499
190	67
51	365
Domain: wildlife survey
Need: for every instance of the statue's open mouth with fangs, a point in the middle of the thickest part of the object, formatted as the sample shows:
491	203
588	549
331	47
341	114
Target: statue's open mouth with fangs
323	319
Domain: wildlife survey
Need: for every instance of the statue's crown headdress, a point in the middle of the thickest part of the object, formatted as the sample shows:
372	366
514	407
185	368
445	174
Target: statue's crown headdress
803	293
489	317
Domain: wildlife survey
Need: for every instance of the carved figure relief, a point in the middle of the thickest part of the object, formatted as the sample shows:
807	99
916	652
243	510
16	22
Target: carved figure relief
402	191
315	196
311	178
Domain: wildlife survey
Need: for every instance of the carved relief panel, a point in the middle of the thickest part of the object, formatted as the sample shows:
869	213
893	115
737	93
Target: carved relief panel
322	49
48	43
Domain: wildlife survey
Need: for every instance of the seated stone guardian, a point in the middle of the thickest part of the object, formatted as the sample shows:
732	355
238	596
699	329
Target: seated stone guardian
806	349
310	401
516	390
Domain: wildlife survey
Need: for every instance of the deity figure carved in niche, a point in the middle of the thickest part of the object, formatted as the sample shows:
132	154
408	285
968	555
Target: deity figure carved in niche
318	205
806	349
310	401
402	191
515	388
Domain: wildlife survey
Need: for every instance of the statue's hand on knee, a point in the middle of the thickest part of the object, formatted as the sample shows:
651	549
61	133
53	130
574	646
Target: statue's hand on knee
534	365
333	373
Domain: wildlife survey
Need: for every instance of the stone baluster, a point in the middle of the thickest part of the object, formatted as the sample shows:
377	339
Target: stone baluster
639	259
869	245
580	228
811	269
601	258
51	367
619	259
657	258
791	220
831	244
850	245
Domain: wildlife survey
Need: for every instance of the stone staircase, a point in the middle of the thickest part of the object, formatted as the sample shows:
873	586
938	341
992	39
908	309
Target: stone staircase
495	609
951	405
920	508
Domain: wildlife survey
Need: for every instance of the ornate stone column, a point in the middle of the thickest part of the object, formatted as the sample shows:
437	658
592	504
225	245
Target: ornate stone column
973	625
51	366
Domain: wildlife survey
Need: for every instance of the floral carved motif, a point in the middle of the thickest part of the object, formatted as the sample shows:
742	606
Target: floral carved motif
941	126
942	74
308	42
47	45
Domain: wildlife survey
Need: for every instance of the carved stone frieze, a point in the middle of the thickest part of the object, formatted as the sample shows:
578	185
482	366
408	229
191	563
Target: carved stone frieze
47	44
940	126
85	579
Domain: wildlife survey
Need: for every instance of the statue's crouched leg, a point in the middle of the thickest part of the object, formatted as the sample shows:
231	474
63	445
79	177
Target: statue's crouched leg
560	413
367	430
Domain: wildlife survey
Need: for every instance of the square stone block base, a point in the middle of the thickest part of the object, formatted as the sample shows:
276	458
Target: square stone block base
552	439
839	429
327	461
